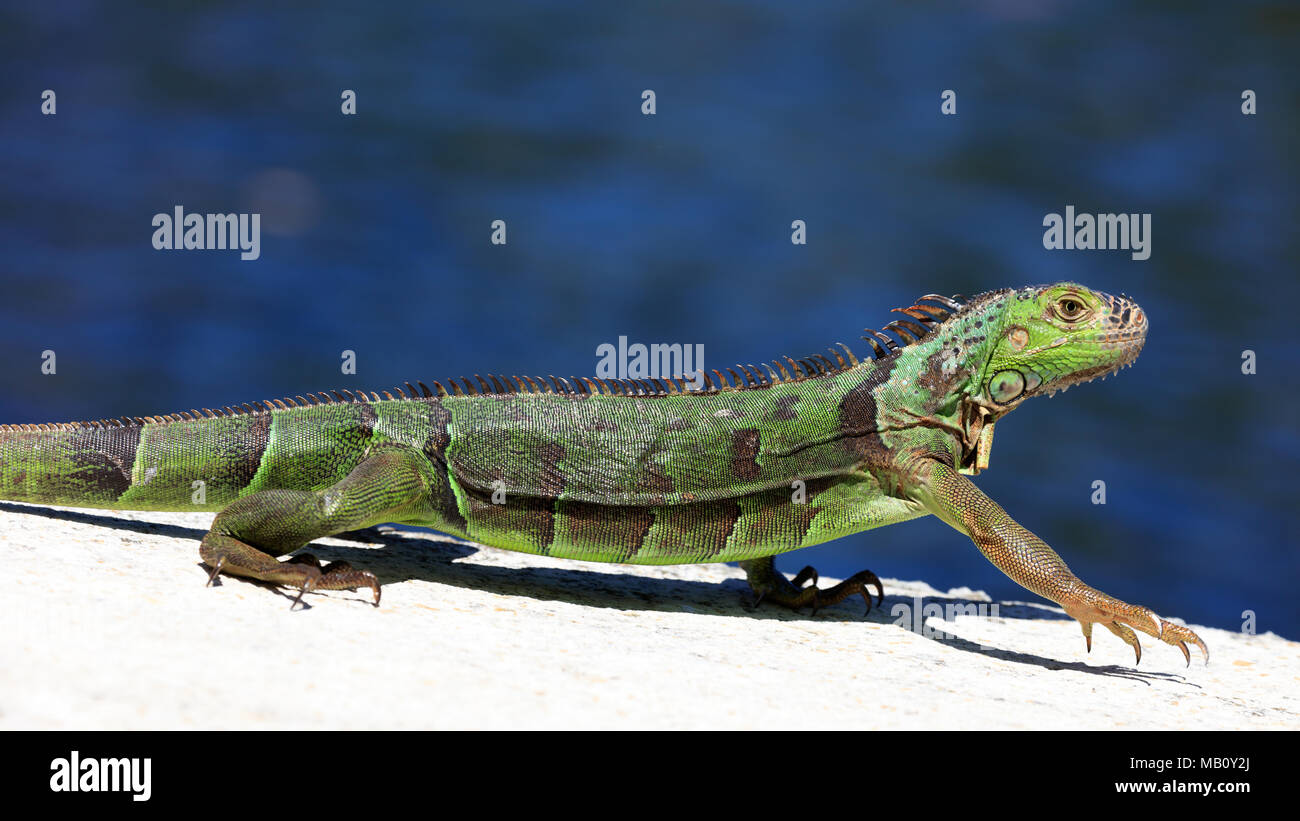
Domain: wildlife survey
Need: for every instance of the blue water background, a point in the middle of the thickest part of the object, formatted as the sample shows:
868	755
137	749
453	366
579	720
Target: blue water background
676	227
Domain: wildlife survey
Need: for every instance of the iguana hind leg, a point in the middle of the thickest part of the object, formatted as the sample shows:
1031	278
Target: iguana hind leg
249	533
769	584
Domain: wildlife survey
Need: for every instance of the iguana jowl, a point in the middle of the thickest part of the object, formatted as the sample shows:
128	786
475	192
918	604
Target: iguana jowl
639	471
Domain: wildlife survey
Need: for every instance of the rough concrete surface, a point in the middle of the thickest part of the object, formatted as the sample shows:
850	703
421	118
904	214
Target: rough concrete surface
108	625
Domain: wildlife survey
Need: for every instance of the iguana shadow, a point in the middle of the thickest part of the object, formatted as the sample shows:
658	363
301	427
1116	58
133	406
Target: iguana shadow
430	556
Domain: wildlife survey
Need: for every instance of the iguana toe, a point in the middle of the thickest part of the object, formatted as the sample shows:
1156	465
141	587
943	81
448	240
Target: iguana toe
1127	636
1178	636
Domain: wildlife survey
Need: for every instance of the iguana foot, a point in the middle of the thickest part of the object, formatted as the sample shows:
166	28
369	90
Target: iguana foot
769	584
250	532
1091	606
223	553
333	576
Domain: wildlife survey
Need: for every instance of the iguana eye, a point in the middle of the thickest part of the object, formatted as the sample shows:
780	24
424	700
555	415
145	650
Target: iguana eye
1070	308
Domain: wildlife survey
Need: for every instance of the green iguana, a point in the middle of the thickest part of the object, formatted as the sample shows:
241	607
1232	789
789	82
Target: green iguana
645	471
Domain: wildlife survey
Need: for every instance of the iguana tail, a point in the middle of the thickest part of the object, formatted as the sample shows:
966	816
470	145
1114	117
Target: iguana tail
196	464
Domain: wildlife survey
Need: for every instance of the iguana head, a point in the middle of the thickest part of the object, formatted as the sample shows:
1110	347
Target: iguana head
1055	336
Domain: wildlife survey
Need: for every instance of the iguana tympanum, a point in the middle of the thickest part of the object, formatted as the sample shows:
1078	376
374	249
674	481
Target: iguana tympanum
643	471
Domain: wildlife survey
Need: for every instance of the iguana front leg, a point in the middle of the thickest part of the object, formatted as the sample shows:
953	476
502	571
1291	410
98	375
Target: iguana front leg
249	533
1031	563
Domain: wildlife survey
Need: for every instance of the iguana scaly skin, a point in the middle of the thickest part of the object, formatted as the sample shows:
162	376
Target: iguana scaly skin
639	471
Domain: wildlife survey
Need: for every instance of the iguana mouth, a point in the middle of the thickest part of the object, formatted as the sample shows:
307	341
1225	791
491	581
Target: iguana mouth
1089	374
1129	342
